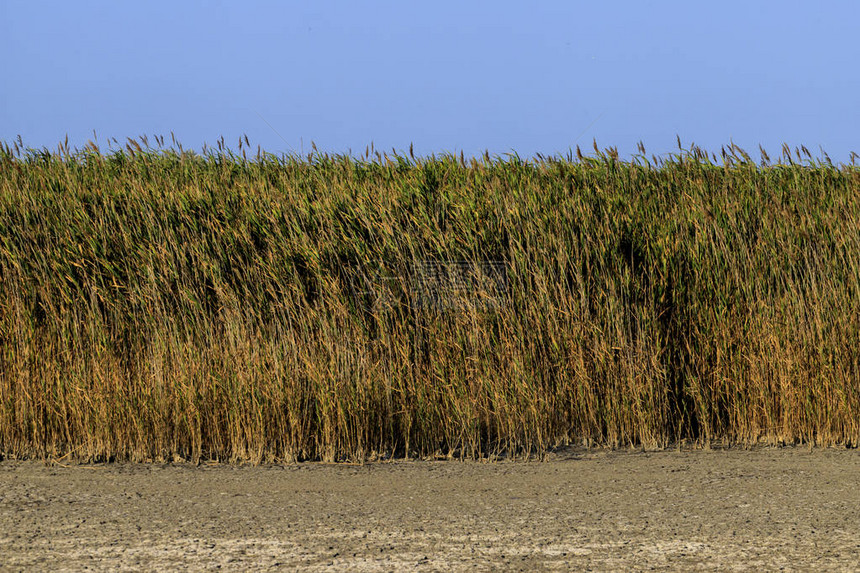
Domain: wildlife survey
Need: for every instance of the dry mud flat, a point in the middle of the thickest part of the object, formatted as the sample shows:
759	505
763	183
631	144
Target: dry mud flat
765	509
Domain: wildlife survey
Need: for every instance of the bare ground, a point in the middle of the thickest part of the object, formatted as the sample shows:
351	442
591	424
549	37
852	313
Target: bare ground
764	509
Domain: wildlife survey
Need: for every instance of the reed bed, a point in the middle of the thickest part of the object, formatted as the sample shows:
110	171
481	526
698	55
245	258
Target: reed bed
158	304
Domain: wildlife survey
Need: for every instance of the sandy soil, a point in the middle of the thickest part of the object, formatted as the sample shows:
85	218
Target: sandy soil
765	509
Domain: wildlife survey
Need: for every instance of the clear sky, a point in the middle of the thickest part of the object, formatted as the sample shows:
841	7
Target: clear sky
445	76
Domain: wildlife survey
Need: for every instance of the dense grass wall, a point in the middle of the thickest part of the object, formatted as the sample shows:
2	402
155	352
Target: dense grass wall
156	304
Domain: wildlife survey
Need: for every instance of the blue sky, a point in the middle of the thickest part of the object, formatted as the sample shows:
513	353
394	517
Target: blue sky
445	76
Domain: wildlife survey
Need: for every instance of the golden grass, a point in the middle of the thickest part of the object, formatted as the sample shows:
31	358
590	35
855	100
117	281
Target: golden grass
157	303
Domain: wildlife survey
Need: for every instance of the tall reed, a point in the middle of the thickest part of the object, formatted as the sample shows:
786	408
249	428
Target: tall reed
156	303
